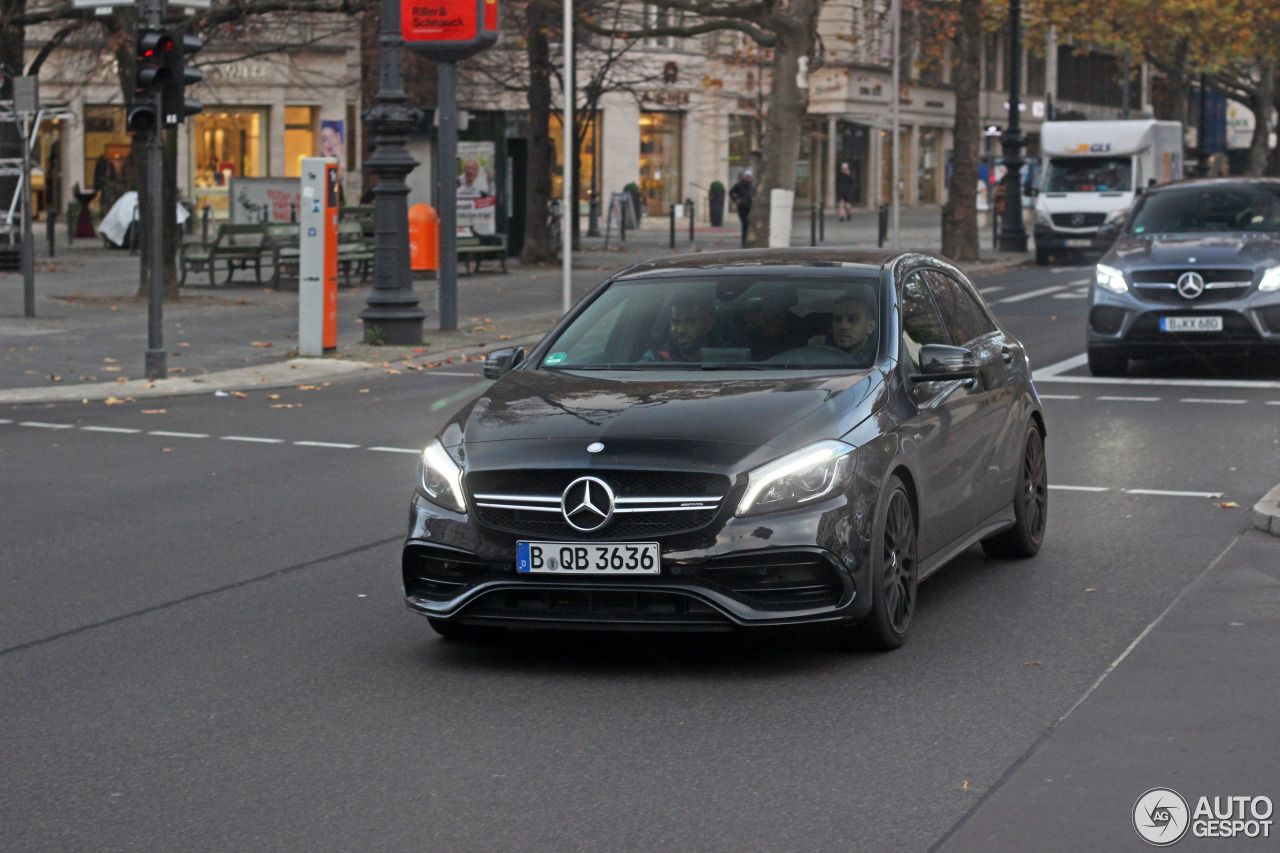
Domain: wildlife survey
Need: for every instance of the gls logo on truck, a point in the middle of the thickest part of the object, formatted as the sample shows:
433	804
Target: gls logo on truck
1090	148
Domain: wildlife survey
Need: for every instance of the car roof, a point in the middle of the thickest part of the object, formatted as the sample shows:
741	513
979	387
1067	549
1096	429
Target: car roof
866	260
1240	182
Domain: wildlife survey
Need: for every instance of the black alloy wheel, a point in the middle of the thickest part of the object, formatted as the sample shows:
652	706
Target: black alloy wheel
893	574
1030	505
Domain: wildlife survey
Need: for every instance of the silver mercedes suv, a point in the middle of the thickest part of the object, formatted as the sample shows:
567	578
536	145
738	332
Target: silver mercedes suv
1195	268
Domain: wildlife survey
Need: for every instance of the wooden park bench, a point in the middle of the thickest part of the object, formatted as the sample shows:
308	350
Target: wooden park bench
240	246
478	247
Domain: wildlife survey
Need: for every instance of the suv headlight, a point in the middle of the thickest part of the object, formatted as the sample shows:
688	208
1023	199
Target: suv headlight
1043	219
1111	279
807	475
1270	280
440	478
1117	216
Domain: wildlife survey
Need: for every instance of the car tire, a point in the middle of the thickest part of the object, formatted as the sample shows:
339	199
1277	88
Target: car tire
464	633
894	575
1030	505
1107	364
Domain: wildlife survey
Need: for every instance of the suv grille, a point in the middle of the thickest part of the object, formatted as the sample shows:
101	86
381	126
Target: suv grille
648	503
1078	220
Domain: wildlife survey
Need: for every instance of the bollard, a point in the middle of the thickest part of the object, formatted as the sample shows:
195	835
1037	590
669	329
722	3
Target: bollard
593	217
884	224
71	226
622	221
689	211
293	212
204	225
52	222
822	222
813	225
673	226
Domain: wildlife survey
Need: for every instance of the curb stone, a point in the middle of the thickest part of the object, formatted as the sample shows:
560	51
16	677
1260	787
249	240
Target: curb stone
1266	513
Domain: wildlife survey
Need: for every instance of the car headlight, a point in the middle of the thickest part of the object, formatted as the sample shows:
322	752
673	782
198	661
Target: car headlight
1116	216
1270	280
798	478
440	478
1111	279
1042	218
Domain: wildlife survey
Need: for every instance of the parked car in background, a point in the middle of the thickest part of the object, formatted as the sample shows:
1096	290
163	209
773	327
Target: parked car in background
1195	269
730	440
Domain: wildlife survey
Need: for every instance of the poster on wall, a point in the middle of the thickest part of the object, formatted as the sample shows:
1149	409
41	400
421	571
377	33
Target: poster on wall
333	143
264	199
477	204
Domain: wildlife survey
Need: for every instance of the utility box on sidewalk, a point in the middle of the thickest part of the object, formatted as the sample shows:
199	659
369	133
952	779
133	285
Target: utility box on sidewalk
424	239
318	257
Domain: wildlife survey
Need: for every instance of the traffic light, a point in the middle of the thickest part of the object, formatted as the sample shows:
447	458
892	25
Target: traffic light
175	105
152	50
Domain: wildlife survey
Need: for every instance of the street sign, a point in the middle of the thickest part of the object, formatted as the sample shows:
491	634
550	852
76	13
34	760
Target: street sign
448	30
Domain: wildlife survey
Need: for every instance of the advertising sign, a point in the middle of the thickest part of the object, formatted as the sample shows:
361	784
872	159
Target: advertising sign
477	204
318	257
264	199
448	30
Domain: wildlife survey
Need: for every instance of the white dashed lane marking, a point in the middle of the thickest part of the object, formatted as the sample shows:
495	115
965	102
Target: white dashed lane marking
1032	294
110	429
1130	399
1081	488
1059	396
253	439
1168	494
396	450
167	434
1220	401
985	290
326	444
42	425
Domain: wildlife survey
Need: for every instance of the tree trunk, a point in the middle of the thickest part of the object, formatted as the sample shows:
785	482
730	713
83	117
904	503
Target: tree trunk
960	215
12	40
787	106
537	246
1261	103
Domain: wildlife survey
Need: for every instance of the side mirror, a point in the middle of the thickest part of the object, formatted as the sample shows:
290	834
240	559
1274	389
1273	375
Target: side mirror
1109	232
941	363
501	362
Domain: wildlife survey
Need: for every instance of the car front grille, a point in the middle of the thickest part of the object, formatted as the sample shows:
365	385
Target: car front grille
648	503
595	607
439	574
1078	220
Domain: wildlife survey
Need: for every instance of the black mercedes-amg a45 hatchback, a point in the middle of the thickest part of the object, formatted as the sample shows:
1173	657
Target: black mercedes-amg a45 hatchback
735	439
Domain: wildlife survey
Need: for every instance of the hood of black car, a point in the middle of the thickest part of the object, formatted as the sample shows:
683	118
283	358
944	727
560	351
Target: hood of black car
1254	251
541	405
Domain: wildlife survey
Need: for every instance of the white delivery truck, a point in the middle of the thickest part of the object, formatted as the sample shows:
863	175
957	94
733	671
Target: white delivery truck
1093	171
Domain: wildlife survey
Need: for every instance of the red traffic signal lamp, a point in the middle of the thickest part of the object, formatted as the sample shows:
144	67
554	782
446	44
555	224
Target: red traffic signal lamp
175	105
153	48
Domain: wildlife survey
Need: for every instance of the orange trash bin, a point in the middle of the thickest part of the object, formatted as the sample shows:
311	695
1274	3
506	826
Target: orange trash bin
424	238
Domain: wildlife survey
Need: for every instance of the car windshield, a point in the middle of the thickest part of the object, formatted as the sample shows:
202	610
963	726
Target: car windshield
725	323
1209	209
1088	175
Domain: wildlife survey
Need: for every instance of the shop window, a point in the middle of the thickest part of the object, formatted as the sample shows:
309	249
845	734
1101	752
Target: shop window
299	138
744	143
107	164
930	173
660	154
227	145
588	178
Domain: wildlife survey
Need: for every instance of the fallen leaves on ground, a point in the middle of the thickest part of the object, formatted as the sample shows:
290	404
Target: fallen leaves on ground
363	391
113	369
55	378
123	379
239	394
1227	505
285	405
116	401
393	370
183	344
1032	663
155	411
263	344
295	367
307	387
504	337
273	396
110	360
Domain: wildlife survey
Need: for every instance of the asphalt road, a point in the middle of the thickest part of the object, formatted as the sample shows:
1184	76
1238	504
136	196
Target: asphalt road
203	644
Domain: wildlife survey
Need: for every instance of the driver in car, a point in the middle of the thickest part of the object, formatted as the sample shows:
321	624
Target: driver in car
853	328
691	322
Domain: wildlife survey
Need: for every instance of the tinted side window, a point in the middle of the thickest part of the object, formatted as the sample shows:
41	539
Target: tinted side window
921	323
965	319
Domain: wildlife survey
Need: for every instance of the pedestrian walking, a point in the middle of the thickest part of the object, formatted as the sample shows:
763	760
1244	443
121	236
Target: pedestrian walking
844	192
741	194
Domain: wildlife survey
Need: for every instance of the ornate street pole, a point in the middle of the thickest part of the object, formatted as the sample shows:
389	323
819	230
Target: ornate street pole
391	314
1013	234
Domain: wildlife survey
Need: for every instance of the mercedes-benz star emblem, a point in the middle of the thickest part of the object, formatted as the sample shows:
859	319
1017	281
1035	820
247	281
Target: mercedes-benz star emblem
595	447
587	504
1077	220
1190	285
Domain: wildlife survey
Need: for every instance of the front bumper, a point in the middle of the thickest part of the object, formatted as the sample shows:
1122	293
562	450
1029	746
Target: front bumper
790	568
1126	324
1083	240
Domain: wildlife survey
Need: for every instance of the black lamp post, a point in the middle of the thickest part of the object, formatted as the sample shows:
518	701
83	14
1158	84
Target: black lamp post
391	314
1013	234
